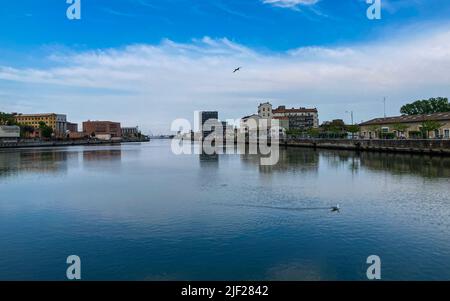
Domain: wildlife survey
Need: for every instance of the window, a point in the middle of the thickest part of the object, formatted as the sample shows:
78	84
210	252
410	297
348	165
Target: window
447	133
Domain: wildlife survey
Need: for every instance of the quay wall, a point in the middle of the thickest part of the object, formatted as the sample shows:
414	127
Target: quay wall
62	143
424	146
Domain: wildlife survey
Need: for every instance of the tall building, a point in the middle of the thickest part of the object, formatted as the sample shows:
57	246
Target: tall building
58	122
208	121
102	128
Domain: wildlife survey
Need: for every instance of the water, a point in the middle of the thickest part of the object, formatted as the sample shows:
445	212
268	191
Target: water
138	212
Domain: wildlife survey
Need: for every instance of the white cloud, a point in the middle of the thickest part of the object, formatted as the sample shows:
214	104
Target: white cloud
151	85
290	3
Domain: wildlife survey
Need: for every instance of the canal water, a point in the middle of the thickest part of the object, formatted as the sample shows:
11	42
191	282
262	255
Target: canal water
139	212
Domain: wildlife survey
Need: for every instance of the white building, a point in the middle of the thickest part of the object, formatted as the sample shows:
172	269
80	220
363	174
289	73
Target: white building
8	133
265	110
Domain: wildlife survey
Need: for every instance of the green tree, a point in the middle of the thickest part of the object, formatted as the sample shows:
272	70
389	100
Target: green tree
353	129
426	106
400	128
46	131
7	119
25	130
430	126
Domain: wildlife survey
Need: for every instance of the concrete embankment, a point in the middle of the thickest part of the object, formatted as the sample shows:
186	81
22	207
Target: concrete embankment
425	146
31	143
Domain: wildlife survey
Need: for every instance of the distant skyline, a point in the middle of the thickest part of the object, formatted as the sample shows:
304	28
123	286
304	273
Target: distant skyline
147	63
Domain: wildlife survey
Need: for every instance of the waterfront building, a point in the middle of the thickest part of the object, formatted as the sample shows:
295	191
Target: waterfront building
208	121
265	110
72	127
299	118
130	131
250	123
9	133
102	129
58	122
408	126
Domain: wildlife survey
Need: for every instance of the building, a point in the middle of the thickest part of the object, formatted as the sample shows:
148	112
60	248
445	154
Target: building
250	123
72	127
265	110
408	126
9	133
300	118
58	122
130	131
208	121
105	130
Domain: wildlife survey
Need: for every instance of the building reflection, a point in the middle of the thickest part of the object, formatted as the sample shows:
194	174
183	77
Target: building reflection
290	159
17	162
419	165
102	155
399	164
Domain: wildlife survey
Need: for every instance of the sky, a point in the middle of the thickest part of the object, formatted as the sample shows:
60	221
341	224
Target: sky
149	62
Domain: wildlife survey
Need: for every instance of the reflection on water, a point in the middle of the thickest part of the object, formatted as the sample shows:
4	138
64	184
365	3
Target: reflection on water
136	212
33	161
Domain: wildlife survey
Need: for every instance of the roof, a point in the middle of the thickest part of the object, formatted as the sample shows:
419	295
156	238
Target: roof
408	119
294	110
251	116
36	115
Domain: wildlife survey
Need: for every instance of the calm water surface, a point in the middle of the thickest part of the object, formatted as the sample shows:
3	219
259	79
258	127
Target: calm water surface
138	212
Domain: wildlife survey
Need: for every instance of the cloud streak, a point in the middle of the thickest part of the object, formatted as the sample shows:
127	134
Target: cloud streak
290	3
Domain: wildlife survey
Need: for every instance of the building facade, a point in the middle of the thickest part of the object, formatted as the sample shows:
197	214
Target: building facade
102	129
58	122
208	122
9	133
408	126
299	118
130	131
72	127
265	110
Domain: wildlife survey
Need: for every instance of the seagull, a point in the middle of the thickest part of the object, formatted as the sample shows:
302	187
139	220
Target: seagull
335	208
237	69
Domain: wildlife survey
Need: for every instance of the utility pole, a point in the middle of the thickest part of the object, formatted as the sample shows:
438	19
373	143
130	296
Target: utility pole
351	114
384	105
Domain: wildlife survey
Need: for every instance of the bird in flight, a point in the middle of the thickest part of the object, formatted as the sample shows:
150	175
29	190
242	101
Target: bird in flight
237	69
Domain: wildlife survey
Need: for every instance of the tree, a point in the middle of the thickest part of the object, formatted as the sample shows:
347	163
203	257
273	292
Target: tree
7	119
426	106
46	131
25	130
430	126
353	129
400	128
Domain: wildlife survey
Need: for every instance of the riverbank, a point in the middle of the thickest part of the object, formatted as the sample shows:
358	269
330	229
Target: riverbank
419	146
63	143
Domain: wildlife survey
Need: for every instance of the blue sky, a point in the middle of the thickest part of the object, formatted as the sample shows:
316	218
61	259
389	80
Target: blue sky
148	62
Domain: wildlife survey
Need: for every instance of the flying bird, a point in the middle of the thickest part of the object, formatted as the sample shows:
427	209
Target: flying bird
237	69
